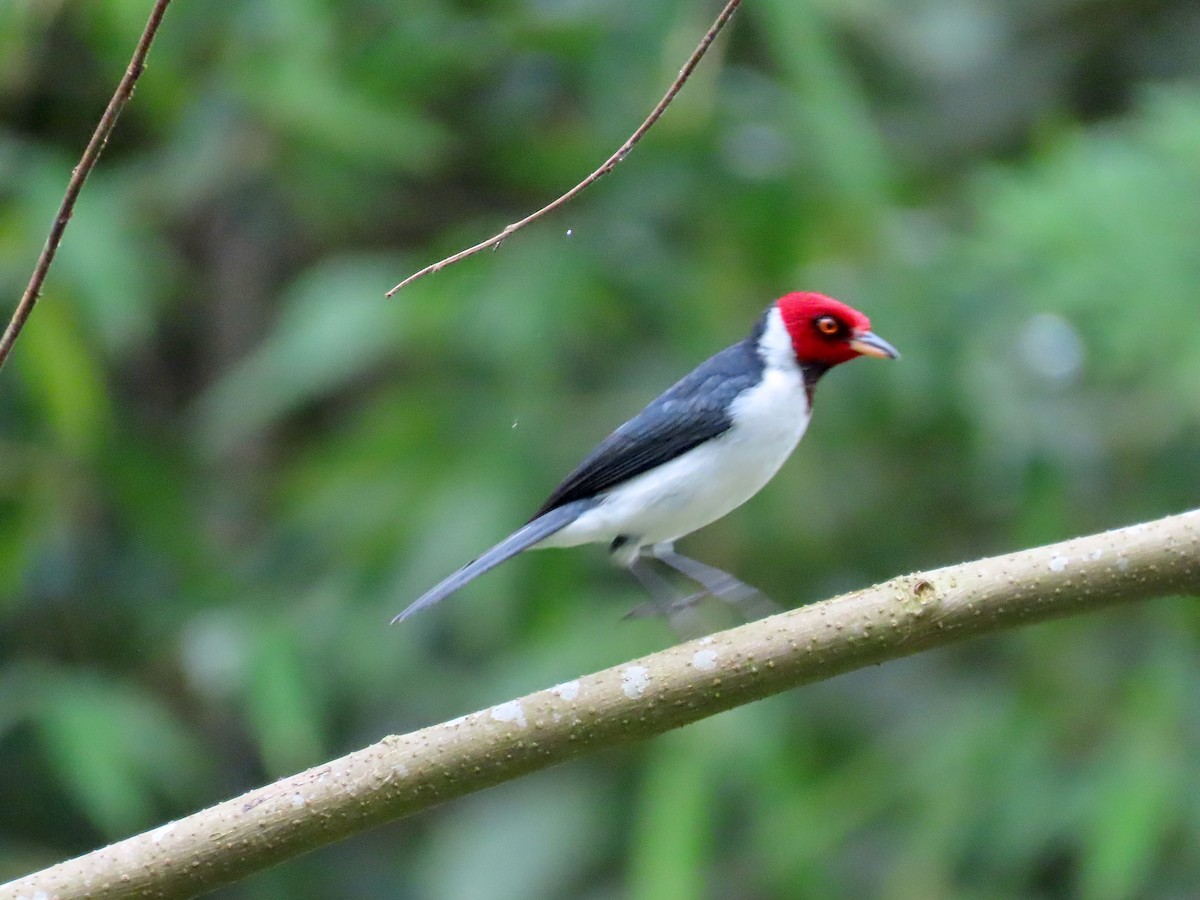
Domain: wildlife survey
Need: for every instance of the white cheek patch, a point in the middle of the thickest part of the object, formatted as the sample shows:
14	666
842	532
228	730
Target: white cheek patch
775	345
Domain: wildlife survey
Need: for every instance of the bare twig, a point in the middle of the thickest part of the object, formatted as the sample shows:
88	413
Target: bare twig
406	774
78	176
609	164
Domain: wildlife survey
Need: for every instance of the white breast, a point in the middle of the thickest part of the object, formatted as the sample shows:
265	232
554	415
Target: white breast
716	477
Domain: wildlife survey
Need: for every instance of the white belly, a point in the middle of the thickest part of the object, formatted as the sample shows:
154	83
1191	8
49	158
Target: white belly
708	481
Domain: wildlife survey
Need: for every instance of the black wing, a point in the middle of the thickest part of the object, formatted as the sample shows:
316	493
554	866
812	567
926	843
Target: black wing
692	411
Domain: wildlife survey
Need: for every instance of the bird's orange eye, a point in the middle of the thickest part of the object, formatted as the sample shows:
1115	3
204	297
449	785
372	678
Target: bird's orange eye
828	325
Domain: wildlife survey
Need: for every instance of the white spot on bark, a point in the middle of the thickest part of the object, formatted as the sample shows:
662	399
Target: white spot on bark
161	832
634	681
298	800
512	711
1122	564
568	690
704	641
401	770
1058	562
705	660
1096	554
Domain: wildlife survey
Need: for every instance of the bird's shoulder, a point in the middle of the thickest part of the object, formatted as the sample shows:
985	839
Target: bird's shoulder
693	410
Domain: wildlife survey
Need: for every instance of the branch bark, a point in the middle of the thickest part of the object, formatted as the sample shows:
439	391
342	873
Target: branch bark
79	175
405	774
607	166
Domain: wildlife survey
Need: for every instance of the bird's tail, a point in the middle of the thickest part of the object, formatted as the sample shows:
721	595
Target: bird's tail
522	539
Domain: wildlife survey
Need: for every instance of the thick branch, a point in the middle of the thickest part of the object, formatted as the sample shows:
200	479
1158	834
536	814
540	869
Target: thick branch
607	166
79	175
402	775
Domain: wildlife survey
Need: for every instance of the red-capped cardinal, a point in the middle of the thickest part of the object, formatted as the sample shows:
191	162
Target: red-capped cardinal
698	451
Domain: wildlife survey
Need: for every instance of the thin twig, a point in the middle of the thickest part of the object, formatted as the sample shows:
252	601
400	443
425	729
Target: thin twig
608	165
99	138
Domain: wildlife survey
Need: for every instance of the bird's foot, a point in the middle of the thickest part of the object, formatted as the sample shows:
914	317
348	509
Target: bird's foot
749	602
683	614
656	607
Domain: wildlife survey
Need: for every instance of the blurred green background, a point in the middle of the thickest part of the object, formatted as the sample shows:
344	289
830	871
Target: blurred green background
226	460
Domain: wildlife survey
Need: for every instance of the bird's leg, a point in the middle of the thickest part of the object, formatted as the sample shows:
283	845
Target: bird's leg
667	601
664	597
627	553
747	600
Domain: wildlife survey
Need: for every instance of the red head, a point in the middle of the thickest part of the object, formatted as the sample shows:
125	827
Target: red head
827	332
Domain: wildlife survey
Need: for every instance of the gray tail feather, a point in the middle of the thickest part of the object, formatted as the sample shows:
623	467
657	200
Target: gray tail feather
522	539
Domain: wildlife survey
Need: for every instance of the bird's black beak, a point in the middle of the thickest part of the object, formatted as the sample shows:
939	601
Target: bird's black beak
868	343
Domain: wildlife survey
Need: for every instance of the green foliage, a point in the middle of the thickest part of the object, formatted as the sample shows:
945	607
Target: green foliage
226	460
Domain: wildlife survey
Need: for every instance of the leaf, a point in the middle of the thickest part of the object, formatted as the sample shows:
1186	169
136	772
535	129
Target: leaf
115	749
64	375
282	711
334	326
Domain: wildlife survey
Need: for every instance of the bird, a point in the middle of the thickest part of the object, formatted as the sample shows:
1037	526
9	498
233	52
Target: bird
698	451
